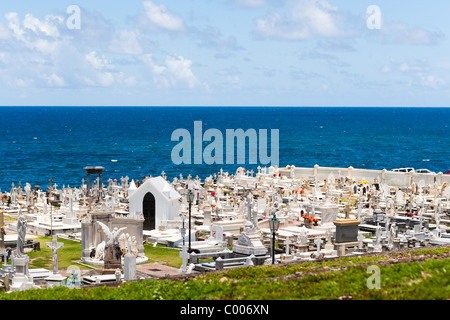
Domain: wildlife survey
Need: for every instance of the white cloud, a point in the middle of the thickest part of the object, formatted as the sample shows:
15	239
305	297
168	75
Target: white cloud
47	27
5	34
158	17
404	34
307	19
417	73
432	81
126	42
54	80
176	72
98	62
250	3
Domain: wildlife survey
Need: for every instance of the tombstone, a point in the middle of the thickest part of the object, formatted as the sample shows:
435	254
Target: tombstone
219	234
207	217
318	242
287	242
377	246
346	230
71	217
361	242
329	245
129	265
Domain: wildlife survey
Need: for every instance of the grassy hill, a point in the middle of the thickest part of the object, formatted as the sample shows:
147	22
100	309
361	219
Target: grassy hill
408	275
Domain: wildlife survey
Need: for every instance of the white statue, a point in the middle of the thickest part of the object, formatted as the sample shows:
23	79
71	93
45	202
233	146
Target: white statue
100	251
111	237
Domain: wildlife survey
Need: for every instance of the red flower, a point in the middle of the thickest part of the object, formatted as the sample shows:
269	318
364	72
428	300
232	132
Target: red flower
213	193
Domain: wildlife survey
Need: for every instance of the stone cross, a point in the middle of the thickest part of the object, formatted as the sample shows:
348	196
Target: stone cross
70	201
55	245
249	206
377	247
184	255
359	210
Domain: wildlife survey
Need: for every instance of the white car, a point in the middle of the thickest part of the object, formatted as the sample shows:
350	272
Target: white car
424	171
403	170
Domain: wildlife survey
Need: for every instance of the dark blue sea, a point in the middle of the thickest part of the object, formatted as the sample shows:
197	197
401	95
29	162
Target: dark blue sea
39	143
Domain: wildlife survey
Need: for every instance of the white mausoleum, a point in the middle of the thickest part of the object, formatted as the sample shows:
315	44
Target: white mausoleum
155	199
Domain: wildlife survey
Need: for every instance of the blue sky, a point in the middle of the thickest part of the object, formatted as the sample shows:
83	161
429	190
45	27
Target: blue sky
225	53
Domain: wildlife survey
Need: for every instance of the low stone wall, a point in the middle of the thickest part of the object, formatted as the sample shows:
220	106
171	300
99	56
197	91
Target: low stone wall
390	178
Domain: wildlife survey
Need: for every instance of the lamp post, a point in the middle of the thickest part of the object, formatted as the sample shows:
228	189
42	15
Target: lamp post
274	223
190	199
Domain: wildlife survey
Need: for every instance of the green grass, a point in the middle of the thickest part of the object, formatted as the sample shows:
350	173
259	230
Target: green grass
162	254
71	252
67	255
428	279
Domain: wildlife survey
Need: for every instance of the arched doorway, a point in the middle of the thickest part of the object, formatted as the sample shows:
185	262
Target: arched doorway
149	211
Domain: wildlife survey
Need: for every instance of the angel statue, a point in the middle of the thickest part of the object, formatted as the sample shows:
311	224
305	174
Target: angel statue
112	254
112	237
21	232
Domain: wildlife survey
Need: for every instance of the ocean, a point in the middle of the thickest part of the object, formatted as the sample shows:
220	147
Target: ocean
39	143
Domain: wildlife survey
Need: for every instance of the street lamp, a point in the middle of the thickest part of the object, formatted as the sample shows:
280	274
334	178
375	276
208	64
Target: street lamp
190	199
274	223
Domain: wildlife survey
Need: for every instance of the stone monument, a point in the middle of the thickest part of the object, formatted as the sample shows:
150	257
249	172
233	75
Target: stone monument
21	279
55	279
112	254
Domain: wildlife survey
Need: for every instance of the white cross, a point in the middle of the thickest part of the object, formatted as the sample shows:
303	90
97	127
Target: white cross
359	210
55	245
184	255
249	206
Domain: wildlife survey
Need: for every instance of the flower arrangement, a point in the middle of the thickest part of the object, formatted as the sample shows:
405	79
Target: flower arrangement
311	219
411	214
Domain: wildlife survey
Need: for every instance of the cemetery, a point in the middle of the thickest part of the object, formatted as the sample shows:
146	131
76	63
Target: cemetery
283	219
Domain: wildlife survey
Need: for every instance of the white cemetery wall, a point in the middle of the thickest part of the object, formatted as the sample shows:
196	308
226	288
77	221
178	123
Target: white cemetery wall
391	178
